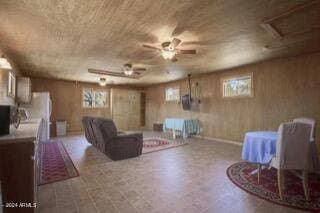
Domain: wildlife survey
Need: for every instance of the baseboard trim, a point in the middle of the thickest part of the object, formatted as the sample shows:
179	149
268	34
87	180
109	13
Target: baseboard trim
219	140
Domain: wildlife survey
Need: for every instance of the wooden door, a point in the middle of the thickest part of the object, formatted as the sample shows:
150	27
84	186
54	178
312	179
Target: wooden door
126	108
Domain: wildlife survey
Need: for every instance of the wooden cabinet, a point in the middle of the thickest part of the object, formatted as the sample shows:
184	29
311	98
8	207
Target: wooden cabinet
24	93
19	169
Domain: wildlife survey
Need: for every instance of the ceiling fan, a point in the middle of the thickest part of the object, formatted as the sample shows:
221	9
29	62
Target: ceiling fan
127	71
169	49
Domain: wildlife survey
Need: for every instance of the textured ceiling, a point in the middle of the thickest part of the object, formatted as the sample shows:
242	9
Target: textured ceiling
62	39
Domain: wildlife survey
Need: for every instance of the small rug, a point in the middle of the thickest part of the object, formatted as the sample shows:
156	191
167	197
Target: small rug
157	144
267	189
55	163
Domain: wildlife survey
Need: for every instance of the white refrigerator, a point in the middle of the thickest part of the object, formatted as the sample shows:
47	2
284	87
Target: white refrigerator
40	107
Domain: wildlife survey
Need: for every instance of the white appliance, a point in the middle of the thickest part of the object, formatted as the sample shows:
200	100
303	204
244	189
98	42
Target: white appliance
40	107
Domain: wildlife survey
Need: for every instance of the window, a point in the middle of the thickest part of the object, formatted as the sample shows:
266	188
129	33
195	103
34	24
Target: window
239	86
172	94
12	85
94	98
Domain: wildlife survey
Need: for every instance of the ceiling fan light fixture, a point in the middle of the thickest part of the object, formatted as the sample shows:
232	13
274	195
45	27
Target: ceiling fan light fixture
4	63
128	72
168	54
103	82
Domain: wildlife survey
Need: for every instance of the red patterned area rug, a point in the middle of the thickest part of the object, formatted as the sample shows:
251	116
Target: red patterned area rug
55	163
157	144
239	174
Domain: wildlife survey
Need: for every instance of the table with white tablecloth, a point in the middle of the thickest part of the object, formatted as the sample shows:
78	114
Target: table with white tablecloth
260	148
186	126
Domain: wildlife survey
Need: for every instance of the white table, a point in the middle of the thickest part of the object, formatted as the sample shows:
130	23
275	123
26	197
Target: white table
260	147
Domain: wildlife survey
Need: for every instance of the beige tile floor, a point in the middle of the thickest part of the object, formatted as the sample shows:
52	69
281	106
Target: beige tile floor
189	178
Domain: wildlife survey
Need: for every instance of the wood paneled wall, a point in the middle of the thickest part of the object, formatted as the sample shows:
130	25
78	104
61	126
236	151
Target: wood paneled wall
283	89
66	99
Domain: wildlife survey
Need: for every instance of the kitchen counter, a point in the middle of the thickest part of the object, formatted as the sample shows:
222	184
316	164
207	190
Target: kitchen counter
26	132
19	166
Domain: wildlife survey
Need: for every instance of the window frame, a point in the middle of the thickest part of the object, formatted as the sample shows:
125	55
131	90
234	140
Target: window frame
95	90
237	77
174	88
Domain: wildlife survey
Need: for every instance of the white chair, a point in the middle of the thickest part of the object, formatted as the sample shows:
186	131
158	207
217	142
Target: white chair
313	147
292	153
309	121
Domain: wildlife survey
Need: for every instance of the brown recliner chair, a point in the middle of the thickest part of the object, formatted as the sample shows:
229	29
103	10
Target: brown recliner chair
87	125
85	121
116	145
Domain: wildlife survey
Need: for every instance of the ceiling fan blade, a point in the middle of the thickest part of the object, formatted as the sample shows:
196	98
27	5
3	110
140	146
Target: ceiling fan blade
267	48
139	69
110	73
186	51
178	30
174	43
194	42
97	71
151	47
174	59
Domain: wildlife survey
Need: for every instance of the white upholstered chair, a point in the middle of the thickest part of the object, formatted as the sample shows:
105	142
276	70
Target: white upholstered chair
311	122
313	147
292	153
